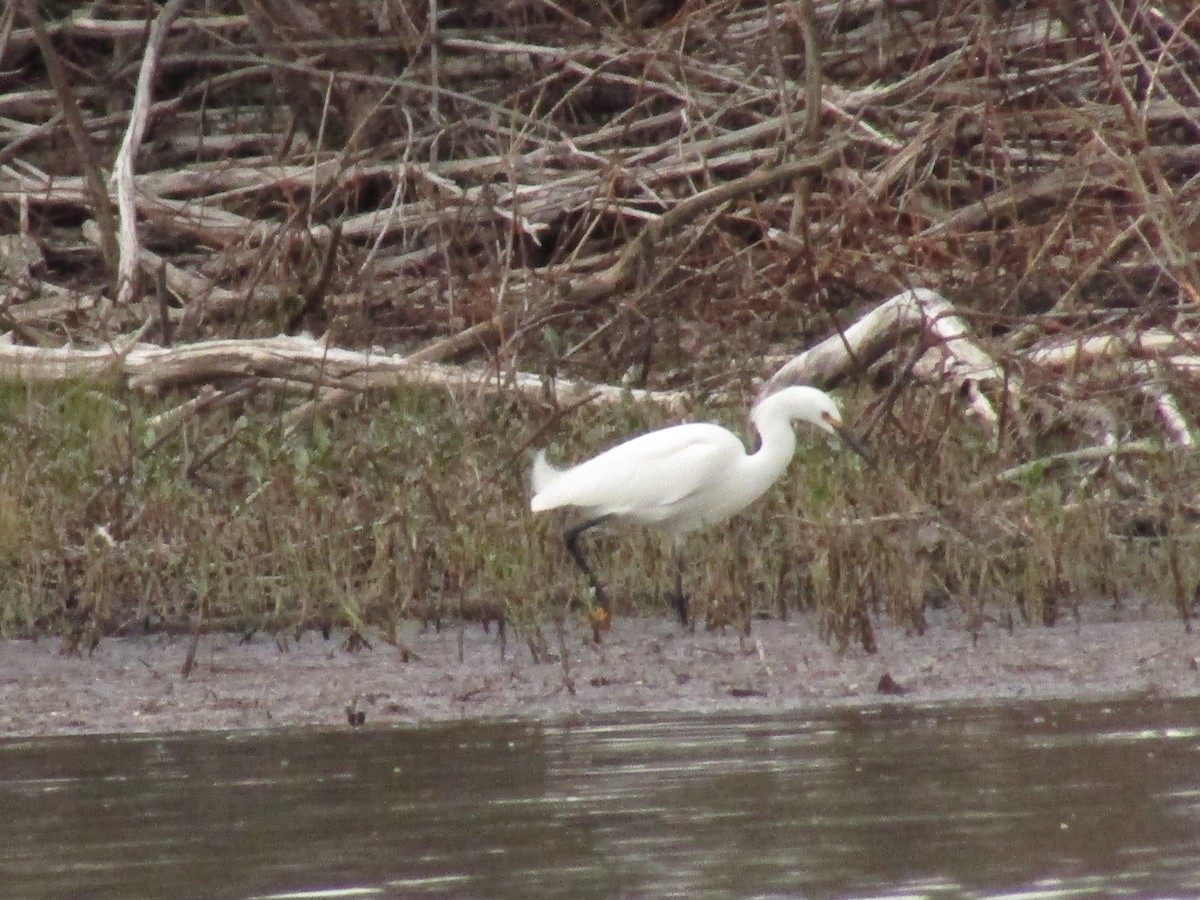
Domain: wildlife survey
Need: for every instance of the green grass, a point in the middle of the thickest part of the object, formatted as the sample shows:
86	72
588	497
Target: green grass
415	506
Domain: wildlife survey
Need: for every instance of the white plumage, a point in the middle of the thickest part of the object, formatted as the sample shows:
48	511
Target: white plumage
684	477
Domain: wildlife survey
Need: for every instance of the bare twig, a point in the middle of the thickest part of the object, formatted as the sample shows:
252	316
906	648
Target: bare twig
88	158
128	244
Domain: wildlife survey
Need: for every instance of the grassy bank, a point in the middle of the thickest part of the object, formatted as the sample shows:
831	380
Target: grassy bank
669	196
413	505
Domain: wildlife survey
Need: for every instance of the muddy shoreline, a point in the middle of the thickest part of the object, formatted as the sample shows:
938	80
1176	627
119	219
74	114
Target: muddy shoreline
646	666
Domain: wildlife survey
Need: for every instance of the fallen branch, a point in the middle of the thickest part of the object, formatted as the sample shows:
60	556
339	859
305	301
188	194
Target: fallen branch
198	293
84	147
284	361
128	244
963	363
1085	454
621	273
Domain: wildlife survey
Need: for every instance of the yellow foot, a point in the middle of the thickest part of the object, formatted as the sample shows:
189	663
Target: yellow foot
601	621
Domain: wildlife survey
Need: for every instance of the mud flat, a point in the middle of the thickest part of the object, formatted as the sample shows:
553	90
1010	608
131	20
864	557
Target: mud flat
134	684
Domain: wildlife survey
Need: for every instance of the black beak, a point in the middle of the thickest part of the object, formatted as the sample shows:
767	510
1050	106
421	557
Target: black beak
856	445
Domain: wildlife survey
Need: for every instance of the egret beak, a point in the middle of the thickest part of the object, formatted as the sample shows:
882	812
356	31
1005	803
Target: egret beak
857	446
851	441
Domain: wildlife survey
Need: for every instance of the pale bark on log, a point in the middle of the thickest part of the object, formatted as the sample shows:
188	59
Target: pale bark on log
964	364
128	244
300	359
330	375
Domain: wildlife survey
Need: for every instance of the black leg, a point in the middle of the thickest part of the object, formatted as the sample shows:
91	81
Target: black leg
571	539
680	600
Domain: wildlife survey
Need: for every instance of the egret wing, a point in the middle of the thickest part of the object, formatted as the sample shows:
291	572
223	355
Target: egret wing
649	478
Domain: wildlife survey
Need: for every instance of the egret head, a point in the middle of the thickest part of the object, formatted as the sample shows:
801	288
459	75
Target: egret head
801	403
825	413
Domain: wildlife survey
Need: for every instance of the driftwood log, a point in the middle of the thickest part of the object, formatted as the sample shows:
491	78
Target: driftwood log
475	178
918	318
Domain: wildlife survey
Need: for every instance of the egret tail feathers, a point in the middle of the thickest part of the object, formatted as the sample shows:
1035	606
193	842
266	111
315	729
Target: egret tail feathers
542	476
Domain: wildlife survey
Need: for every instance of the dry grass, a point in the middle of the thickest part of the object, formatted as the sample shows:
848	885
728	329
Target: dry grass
336	525
469	195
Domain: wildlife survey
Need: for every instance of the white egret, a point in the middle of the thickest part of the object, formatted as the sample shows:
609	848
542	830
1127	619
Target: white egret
682	478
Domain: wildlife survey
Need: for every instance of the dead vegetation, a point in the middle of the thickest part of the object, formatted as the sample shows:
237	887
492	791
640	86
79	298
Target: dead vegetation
536	204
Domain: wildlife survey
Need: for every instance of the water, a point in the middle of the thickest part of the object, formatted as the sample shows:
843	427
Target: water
1023	801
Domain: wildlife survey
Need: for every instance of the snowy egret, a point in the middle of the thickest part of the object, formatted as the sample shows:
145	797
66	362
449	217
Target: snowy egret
684	477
